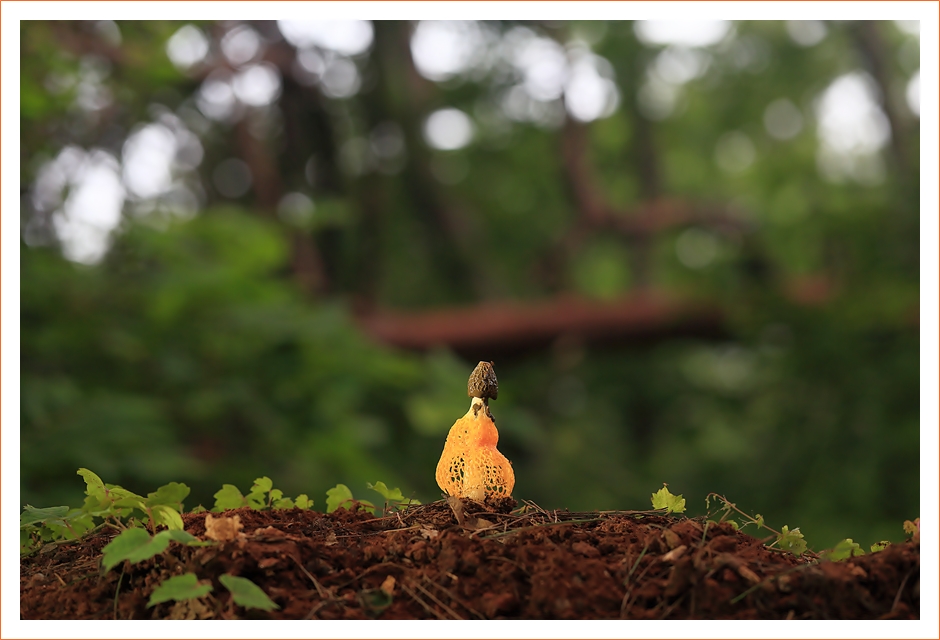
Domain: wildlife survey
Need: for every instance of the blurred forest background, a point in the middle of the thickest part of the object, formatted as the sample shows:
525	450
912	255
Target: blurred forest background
279	248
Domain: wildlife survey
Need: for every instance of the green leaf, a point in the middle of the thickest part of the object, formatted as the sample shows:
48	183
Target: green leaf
880	546
130	502
179	536
392	495
375	601
303	502
184	587
185	538
276	494
228	497
134	545
246	593
26	541
171	494
32	515
262	485
662	499
283	503
198	509
120	493
93	484
256	501
71	526
337	497
844	549
792	541
166	515
100	507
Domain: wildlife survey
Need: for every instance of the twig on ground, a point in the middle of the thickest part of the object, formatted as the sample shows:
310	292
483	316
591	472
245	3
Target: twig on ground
423	604
438	601
455	599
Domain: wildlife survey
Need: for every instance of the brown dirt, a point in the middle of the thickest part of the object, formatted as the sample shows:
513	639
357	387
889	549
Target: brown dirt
492	564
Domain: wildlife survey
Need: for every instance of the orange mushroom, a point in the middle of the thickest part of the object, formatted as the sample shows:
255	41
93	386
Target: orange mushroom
470	466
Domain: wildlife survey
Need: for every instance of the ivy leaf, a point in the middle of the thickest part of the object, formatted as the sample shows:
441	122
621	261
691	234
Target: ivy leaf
134	545
184	587
844	549
792	541
228	497
32	515
303	502
662	499
246	593
337	497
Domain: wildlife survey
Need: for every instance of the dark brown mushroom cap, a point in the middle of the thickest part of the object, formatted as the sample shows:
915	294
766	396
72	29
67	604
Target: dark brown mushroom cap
482	382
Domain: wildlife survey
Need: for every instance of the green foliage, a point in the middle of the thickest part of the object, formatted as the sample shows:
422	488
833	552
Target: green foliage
184	587
246	593
32	515
135	545
791	541
103	504
262	495
663	499
845	549
880	546
787	540
341	496
114	505
229	497
393	497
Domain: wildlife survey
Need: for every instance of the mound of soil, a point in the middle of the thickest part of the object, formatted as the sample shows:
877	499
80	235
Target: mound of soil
465	560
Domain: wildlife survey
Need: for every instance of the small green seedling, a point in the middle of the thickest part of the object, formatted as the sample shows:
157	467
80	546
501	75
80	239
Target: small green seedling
785	539
341	496
662	499
262	495
843	550
791	541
